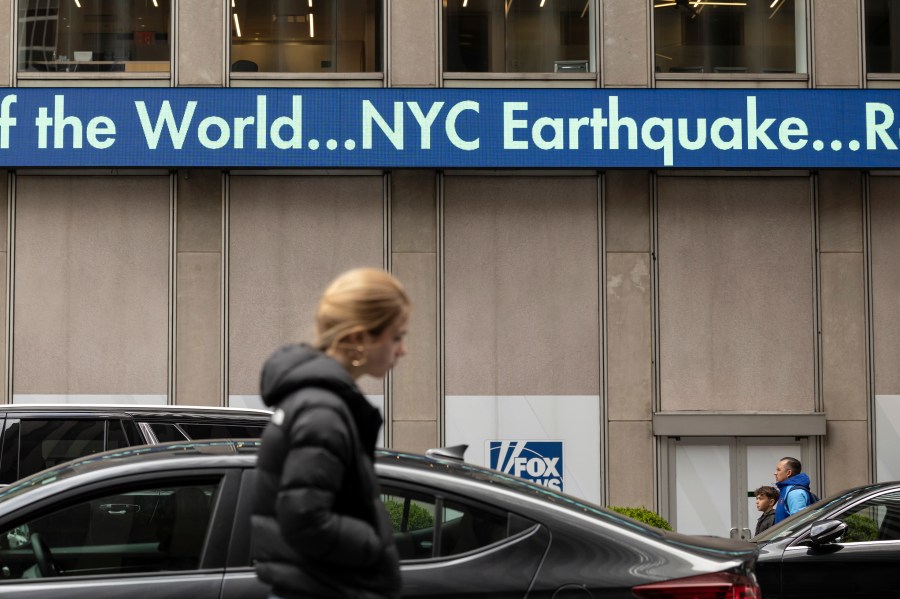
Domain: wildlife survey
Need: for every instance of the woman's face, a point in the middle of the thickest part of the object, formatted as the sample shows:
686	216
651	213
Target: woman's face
385	349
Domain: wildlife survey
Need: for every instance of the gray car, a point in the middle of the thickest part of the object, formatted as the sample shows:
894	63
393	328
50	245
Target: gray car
173	521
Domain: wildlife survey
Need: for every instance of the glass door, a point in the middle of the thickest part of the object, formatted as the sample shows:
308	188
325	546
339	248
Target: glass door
712	481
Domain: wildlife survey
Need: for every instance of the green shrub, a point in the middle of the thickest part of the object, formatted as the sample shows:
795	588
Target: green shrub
859	528
419	517
642	514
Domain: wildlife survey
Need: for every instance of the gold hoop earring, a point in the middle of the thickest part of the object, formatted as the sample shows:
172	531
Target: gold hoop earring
362	356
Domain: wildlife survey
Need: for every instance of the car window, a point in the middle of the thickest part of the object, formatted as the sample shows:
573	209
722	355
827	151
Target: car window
876	519
46	443
166	432
427	526
222	431
137	530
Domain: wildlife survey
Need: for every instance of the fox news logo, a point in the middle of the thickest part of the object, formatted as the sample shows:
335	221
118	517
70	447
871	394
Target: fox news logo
540	462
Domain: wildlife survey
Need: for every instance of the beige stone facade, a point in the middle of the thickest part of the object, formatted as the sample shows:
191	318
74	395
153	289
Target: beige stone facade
725	292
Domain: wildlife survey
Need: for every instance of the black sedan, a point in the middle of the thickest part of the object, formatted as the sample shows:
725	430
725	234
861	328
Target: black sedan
847	545
172	521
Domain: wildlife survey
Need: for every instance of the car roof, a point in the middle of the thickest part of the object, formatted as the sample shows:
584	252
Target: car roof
138	411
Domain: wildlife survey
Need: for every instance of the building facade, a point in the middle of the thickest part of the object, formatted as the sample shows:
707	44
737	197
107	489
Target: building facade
672	331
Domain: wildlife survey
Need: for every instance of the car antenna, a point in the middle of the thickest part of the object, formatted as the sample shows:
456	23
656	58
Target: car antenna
454	452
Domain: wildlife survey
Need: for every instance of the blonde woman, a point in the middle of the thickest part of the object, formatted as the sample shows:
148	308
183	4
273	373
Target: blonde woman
319	528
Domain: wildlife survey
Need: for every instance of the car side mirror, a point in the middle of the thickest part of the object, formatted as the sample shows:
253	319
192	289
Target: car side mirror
826	531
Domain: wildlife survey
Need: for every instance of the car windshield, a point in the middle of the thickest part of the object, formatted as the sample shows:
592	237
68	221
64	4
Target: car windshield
792	525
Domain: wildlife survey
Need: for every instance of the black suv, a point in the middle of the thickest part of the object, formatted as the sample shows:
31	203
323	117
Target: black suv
35	437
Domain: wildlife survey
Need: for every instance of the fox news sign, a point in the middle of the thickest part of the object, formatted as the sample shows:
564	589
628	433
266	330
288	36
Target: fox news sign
449	128
540	462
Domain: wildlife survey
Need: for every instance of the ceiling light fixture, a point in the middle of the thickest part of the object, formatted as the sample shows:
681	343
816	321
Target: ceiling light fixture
542	3
664	5
710	3
465	3
312	31
77	3
237	25
155	5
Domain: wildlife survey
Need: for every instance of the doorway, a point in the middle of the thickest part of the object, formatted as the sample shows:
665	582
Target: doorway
712	479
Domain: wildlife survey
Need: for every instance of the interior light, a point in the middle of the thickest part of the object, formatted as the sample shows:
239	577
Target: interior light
237	25
155	4
312	31
465	3
542	3
709	3
310	3
664	5
77	3
774	2
232	3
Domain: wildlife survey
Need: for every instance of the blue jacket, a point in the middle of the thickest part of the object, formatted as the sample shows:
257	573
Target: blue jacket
790	502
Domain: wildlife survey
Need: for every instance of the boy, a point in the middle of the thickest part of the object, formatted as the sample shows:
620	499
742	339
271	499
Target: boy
765	502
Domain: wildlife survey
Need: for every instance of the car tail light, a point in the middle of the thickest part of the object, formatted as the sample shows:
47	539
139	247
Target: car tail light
720	585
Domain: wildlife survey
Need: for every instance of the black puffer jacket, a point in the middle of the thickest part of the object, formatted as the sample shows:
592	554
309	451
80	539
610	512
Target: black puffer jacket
319	527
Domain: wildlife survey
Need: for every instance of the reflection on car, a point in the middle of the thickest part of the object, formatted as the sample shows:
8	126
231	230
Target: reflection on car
847	545
172	520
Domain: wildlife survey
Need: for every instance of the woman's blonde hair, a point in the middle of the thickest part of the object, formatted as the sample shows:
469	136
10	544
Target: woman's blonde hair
365	300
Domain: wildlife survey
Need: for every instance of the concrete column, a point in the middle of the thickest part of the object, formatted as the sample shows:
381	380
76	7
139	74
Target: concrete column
198	303
629	336
626	43
414	390
7	61
836	43
200	45
843	311
413	50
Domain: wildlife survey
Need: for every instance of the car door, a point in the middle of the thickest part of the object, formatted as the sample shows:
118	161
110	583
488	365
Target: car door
864	563
144	536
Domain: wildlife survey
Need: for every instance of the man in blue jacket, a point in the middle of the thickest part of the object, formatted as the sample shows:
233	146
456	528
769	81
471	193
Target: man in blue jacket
793	485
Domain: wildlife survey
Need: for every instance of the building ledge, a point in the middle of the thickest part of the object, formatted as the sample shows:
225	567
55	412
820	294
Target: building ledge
743	424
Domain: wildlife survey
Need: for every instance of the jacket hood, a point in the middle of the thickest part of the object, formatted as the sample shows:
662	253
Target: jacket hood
801	480
298	365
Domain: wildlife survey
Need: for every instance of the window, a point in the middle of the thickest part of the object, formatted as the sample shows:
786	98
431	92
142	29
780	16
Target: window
222	431
421	534
166	432
142	530
518	36
78	36
877	519
882	29
46	443
306	36
692	36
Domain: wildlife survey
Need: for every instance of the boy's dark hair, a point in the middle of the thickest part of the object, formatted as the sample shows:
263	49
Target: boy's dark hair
767	491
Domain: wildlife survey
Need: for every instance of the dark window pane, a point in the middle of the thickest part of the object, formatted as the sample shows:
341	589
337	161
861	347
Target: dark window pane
412	517
166	432
466	528
751	37
46	443
306	36
115	435
152	529
882	41
9	455
221	431
94	35
877	519
526	36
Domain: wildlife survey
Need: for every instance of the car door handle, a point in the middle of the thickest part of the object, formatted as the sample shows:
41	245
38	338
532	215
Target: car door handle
117	509
733	533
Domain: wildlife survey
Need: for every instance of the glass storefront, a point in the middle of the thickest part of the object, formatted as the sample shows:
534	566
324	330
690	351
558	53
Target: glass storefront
306	36
701	36
78	36
518	36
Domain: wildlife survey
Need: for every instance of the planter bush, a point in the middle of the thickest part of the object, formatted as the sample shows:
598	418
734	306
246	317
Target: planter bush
642	514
